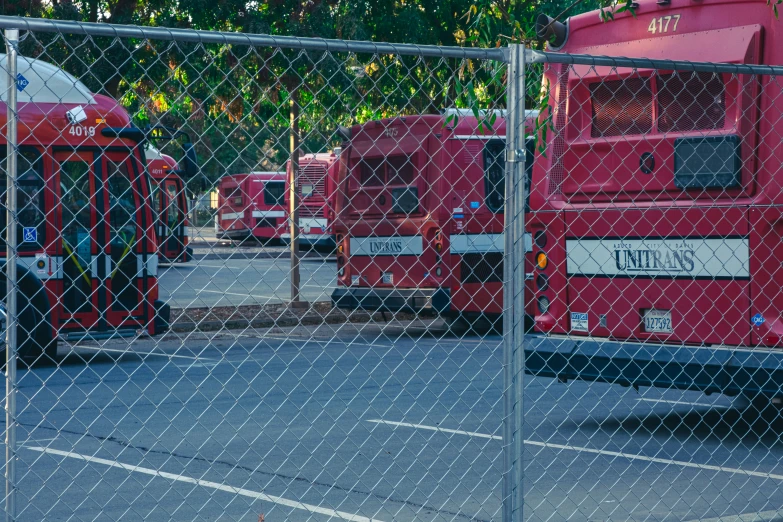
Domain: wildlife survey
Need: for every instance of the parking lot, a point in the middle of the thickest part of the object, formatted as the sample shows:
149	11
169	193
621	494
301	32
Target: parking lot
367	422
244	279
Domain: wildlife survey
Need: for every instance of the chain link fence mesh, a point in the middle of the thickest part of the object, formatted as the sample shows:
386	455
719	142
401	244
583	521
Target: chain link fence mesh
653	366
165	372
181	359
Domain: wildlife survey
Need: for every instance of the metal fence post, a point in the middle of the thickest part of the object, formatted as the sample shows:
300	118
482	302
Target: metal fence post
513	288
293	196
11	42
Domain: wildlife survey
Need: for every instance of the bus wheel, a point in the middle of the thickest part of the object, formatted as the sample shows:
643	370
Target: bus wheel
34	344
474	323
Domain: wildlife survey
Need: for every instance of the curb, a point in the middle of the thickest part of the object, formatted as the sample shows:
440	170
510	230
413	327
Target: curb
279	322
764	516
247	256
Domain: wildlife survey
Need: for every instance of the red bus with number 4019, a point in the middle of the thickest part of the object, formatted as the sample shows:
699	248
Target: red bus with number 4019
87	253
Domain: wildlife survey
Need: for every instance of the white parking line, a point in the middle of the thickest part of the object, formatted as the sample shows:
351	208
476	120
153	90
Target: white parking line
236	294
136	352
436	428
208	484
568	447
705	404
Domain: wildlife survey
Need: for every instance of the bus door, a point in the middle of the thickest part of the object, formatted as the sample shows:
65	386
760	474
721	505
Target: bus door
78	217
122	236
100	237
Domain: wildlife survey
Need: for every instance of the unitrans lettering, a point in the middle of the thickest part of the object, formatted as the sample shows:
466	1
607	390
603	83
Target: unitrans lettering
386	247
675	258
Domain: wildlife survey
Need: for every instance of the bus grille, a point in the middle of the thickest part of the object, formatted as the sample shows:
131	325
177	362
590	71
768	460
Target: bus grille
313	174
691	101
622	107
482	268
557	173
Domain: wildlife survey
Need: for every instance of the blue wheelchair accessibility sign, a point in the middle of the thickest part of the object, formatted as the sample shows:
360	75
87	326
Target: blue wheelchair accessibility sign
30	235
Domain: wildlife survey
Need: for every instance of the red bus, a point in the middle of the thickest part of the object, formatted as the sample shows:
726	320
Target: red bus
419	223
87	253
252	206
657	208
171	205
317	174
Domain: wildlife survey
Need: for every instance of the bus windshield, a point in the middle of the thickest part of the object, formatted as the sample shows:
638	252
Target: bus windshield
30	200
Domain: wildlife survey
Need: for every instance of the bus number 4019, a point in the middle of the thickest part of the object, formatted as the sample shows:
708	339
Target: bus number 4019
81	130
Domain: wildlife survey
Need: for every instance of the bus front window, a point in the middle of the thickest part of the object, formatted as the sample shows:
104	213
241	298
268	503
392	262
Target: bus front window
29	201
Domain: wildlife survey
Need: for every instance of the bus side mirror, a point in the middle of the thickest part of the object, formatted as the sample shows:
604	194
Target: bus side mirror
190	161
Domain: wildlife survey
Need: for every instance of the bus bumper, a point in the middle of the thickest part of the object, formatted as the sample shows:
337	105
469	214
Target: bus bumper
720	369
415	300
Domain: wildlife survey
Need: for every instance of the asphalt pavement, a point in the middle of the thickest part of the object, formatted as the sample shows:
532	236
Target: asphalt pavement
367	422
236	282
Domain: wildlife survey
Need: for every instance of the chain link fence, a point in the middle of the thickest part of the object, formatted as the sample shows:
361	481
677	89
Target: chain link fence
654	362
310	352
265	278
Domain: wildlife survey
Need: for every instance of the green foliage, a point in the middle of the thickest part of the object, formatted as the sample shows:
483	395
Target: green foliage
234	100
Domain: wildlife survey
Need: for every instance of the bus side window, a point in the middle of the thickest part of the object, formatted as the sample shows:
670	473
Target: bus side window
29	201
274	193
495	175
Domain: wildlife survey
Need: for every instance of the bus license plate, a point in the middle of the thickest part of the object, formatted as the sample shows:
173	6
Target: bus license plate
657	321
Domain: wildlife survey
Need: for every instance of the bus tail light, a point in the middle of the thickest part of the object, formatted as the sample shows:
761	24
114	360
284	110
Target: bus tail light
540	239
541	260
437	241
543	304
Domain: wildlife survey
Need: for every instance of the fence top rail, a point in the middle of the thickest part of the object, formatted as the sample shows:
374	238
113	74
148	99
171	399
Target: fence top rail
254	40
646	63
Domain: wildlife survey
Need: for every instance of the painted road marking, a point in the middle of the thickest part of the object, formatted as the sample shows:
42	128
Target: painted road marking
135	352
436	428
629	456
707	404
208	484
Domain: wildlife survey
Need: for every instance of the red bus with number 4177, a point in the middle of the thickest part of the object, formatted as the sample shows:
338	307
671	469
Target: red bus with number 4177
657	210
